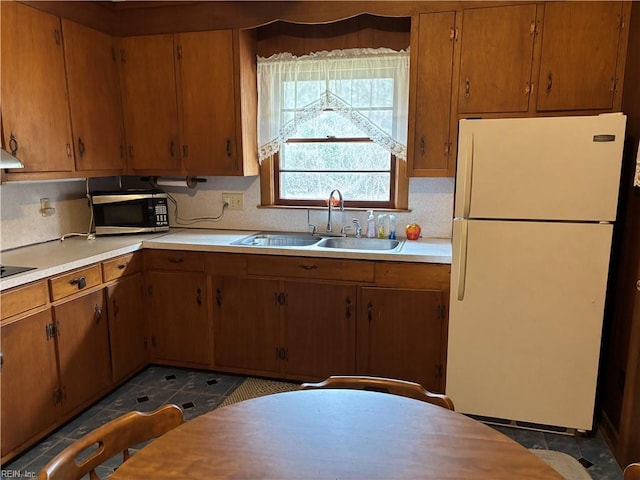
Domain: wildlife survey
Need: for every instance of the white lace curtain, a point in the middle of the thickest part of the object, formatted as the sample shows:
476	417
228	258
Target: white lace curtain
368	87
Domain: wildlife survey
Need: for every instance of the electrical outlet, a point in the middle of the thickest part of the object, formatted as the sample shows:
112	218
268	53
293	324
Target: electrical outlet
234	200
46	210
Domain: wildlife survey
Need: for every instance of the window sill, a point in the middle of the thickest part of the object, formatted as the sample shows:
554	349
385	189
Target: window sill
347	209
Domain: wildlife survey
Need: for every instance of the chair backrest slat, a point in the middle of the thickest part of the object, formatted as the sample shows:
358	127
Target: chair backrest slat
109	440
380	384
632	472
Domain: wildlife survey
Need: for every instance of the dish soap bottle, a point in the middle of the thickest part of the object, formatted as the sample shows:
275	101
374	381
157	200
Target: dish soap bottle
382	233
392	226
371	225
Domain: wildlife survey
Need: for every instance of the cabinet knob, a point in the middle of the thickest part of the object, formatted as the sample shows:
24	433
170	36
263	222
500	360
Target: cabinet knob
549	82
97	313
80	147
422	145
638	285
81	282
467	87
13	144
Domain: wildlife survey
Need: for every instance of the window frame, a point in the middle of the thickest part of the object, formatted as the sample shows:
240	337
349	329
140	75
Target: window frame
400	199
278	200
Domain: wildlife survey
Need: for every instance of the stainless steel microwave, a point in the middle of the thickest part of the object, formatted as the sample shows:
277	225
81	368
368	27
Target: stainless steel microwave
135	211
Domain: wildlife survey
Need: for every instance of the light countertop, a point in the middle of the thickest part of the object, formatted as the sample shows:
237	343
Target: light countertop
55	257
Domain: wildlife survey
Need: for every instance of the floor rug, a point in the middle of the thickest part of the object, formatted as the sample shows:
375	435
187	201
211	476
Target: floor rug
564	464
257	387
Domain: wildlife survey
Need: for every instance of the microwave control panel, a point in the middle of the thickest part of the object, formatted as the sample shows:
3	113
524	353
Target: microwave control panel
162	218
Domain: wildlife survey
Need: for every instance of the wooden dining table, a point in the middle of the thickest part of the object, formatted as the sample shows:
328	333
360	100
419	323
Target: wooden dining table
334	434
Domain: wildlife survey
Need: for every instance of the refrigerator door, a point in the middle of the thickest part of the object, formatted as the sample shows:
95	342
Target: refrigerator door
526	309
552	168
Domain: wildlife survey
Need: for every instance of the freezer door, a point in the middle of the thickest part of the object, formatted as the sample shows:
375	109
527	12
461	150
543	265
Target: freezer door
526	310
555	168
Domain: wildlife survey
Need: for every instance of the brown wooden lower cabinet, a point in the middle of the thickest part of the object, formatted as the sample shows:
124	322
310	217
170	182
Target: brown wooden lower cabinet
180	326
319	329
247	328
29	380
295	329
401	335
127	326
83	349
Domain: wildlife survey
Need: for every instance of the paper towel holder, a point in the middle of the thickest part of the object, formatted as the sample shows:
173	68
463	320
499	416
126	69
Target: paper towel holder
188	182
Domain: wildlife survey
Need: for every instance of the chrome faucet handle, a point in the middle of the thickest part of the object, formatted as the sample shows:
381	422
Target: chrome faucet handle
356	223
313	228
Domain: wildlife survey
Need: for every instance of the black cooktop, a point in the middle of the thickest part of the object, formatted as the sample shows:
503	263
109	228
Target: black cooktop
8	270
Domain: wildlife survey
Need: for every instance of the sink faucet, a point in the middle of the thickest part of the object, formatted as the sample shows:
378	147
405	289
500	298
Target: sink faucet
329	228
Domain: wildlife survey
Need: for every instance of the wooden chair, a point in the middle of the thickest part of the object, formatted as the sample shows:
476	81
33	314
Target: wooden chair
632	472
108	440
386	385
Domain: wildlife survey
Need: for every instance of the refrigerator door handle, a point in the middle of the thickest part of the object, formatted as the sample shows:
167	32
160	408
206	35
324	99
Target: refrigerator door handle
462	257
468	176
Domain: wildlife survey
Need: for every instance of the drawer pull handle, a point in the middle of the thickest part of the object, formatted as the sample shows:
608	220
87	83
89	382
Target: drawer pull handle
308	267
199	296
81	282
122	266
176	260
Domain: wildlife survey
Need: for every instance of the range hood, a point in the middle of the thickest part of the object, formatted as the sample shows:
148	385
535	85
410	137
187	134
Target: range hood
9	161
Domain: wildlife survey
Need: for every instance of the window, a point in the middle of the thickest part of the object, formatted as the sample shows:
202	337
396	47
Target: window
334	120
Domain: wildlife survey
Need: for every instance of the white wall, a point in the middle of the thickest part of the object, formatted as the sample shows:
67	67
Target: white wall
21	222
430	201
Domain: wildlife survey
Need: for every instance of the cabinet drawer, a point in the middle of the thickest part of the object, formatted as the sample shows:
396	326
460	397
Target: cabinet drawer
226	264
313	268
20	299
121	266
174	260
73	282
412	275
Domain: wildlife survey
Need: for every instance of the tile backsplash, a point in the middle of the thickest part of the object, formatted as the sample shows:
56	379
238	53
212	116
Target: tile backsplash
21	222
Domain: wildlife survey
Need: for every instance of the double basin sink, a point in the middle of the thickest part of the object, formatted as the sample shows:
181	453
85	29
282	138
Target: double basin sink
282	239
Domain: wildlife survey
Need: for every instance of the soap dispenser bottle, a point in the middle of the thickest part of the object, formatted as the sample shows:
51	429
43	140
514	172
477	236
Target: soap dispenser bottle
371	225
382	231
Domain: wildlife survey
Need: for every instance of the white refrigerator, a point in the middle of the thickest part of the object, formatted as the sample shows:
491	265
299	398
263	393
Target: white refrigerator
534	204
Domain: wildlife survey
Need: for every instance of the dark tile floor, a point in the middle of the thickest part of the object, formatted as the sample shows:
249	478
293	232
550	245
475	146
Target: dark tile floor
198	392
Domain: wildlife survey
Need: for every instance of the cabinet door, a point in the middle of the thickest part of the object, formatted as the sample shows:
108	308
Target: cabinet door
320	329
127	326
35	108
579	55
247	323
178	316
431	153
496	58
83	349
205	66
29	380
400	335
94	98
149	103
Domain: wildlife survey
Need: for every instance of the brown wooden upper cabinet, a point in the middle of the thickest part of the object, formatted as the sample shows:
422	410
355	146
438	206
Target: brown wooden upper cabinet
580	45
496	59
60	95
432	139
149	103
188	100
35	109
94	98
